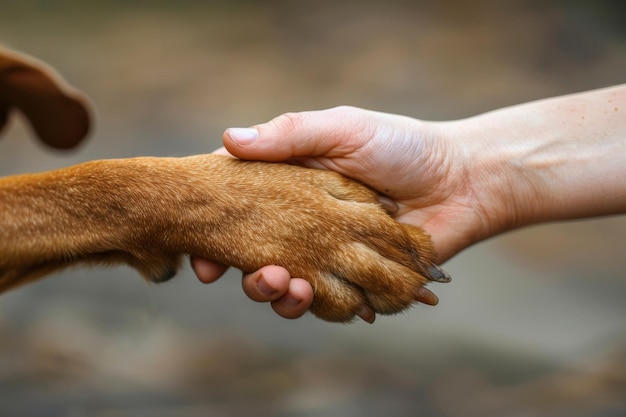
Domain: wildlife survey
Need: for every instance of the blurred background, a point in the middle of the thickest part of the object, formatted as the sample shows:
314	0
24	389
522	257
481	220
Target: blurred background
532	324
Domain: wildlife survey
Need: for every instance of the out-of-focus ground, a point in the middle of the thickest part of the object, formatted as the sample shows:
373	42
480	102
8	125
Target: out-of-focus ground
532	325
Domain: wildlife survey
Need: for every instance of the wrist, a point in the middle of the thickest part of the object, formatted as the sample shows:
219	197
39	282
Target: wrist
555	159
495	187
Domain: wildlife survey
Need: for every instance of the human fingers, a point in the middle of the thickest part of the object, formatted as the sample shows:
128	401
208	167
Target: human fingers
329	133
290	297
207	271
267	284
396	155
296	301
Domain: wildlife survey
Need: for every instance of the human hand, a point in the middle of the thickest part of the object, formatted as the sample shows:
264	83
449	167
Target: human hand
415	165
462	181
404	159
289	297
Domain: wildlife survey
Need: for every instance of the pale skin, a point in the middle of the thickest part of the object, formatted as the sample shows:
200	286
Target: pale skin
462	181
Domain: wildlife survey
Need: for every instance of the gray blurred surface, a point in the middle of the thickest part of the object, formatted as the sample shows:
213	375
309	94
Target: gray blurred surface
532	325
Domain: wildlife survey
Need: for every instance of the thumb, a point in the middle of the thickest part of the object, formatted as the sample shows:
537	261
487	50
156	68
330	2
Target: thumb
328	133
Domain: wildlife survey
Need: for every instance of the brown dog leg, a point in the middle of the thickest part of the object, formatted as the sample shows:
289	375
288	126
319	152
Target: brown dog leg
148	212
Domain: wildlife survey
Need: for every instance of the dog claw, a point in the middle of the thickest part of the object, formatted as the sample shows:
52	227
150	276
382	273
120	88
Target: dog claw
424	295
390	206
366	314
437	274
164	276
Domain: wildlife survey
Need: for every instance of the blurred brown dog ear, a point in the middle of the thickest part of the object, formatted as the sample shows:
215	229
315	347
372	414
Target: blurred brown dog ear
57	113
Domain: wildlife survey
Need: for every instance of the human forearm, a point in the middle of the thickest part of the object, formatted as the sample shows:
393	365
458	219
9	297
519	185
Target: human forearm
548	160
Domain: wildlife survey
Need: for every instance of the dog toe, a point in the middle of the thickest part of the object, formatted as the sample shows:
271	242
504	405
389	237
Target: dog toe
336	299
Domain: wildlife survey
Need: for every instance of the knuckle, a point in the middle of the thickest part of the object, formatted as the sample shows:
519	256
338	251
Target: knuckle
288	122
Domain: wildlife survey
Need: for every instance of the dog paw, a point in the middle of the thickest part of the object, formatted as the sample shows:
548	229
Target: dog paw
381	268
322	227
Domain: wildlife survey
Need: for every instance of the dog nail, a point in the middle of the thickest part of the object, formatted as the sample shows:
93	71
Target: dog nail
164	276
390	206
426	296
437	274
243	135
366	314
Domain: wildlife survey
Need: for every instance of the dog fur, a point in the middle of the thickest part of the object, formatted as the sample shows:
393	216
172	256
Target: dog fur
150	212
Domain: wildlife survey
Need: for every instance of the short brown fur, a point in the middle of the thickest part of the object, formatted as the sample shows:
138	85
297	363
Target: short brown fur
149	212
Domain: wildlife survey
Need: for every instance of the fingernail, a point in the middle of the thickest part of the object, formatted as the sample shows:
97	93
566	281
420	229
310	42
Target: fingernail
291	301
242	135
265	288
